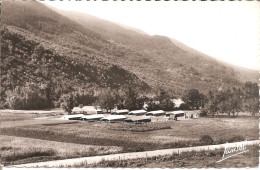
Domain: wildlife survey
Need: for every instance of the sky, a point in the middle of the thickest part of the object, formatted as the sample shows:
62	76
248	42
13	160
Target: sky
228	31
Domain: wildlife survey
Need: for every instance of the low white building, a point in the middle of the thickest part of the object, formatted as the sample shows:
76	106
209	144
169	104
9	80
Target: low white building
177	115
137	119
95	117
114	118
182	115
89	110
77	110
156	113
72	117
137	112
121	112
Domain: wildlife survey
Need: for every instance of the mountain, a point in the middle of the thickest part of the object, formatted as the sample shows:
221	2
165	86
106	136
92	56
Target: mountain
244	74
42	47
70	51
166	62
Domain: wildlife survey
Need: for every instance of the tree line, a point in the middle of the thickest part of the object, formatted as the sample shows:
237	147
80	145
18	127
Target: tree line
228	101
122	98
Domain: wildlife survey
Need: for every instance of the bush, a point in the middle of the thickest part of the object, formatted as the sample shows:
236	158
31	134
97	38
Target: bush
203	113
184	106
206	140
4	148
23	154
139	128
236	139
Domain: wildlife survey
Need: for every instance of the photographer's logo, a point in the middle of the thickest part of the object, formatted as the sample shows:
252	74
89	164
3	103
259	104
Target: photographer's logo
231	151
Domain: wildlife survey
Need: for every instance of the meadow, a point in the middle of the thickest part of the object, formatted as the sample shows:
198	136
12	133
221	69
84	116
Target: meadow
201	159
47	137
17	150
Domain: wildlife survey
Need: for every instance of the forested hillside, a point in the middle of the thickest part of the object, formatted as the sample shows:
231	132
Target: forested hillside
46	55
166	62
35	64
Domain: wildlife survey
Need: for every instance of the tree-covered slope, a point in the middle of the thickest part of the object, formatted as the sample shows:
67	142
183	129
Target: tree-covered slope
174	65
60	55
43	48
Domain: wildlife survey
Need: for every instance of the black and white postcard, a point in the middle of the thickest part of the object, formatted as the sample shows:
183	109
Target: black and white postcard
129	84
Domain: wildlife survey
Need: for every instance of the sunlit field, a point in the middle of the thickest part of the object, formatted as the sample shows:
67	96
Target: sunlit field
26	139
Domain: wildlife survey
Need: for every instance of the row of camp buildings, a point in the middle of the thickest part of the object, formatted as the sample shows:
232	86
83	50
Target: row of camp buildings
136	116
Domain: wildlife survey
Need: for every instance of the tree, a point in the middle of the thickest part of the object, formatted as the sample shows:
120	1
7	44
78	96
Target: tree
211	107
67	102
108	99
15	99
236	101
141	100
130	97
161	101
152	104
165	101
184	106
194	99
30	96
227	101
251	97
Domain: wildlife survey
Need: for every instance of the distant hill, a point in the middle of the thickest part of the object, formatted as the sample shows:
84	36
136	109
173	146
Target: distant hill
41	46
166	62
73	51
244	74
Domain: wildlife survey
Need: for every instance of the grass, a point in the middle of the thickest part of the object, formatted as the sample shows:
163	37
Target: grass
139	127
43	122
217	128
16	150
164	135
16	115
17	153
201	159
181	134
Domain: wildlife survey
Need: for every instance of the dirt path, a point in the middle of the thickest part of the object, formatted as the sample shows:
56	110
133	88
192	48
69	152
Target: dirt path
133	155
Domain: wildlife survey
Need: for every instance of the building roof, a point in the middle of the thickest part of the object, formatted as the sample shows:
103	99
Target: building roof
71	116
122	111
89	108
77	109
157	112
114	117
93	116
86	108
135	118
176	112
138	111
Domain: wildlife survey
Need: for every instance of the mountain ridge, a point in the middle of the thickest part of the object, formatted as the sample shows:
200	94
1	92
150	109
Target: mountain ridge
89	24
148	61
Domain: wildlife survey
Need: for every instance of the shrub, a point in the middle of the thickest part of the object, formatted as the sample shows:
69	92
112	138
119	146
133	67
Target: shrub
203	113
4	148
206	140
23	154
220	141
140	128
236	139
184	106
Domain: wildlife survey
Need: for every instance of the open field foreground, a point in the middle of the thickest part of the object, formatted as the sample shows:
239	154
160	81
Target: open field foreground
176	157
193	159
43	139
17	150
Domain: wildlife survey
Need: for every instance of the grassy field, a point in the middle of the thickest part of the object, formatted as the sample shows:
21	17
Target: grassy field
202	159
15	115
17	150
95	133
127	137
